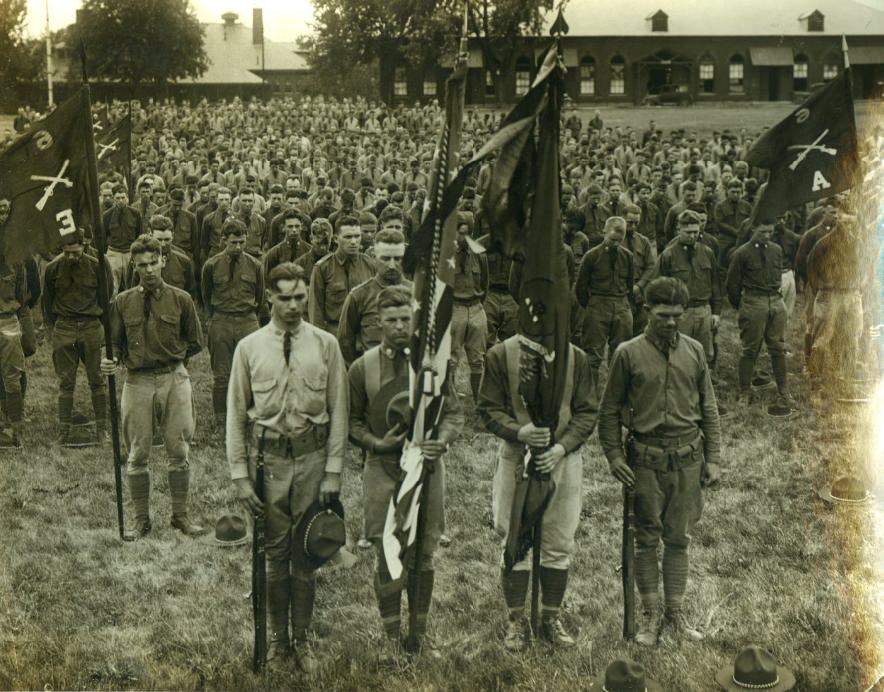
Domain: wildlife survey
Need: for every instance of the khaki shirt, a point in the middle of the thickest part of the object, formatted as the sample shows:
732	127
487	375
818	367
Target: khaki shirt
359	328
241	292
70	289
289	400
334	276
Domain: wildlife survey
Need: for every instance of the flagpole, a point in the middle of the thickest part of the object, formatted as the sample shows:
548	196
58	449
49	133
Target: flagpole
129	181
103	292
48	59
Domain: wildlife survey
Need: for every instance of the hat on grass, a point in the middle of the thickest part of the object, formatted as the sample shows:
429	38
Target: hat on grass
624	675
755	668
230	530
319	534
847	490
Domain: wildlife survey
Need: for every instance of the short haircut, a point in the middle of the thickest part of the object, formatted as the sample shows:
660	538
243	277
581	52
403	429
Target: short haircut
389	235
688	217
643	186
145	243
276	189
394	297
735	182
697	207
145	183
158	222
292	214
348	196
323	225
690	185
233	227
617	221
285	271
348	220
632	209
575	217
222	190
666	290
390	212
246	191
118	188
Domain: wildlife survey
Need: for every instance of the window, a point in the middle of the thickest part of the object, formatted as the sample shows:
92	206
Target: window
660	22
587	76
799	73
489	84
430	85
400	86
816	22
735	74
618	75
523	75
830	71
707	75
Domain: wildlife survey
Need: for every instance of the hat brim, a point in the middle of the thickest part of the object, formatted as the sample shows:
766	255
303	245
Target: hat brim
725	678
826	495
229	544
598	683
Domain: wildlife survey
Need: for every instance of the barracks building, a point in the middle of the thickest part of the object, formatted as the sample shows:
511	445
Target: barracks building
703	50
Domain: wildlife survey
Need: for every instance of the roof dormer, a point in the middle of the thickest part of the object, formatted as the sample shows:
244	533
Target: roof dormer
659	21
813	21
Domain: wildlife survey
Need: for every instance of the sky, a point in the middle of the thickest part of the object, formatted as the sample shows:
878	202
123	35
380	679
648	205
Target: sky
284	20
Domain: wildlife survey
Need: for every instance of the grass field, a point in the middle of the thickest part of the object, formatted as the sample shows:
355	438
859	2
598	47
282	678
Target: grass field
771	564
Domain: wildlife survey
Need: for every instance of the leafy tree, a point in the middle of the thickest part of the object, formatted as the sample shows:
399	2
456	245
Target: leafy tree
347	32
17	54
141	41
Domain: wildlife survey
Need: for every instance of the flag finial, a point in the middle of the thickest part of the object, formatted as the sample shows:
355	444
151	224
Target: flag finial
560	26
844	51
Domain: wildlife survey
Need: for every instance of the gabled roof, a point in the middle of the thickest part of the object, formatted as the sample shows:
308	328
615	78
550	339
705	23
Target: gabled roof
234	59
722	17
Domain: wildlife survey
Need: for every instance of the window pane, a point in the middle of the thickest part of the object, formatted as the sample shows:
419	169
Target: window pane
400	86
429	87
830	72
707	70
618	76
523	81
735	77
587	78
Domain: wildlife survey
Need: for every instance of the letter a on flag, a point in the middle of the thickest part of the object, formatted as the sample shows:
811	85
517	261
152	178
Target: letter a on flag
43	175
812	153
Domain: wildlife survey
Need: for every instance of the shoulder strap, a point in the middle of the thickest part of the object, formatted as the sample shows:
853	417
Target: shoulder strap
511	346
372	364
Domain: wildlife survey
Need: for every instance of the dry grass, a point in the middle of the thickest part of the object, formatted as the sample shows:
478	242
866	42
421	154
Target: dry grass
770	564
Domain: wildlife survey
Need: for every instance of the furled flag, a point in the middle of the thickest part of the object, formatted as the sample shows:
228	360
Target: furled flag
812	153
431	341
43	175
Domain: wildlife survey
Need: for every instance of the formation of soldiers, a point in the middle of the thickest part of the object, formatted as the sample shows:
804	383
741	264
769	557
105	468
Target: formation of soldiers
283	225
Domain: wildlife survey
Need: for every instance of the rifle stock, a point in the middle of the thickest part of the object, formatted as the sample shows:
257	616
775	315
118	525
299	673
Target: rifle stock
259	570
628	564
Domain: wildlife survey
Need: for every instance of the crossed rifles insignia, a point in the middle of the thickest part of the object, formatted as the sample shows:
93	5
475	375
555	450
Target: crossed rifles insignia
805	149
53	181
107	148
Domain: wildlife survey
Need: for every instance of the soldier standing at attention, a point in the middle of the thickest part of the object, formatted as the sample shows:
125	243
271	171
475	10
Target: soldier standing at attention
72	310
338	273
604	286
659	387
233	294
155	330
644	257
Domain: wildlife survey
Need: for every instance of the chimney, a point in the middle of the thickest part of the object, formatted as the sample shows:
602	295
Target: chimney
257	26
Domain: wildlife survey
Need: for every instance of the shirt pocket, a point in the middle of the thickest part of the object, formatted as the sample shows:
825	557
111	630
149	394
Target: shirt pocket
167	330
134	329
315	391
264	393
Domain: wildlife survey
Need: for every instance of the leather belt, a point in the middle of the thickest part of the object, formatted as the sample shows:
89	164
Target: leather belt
666	442
292	446
467	302
158	370
758	292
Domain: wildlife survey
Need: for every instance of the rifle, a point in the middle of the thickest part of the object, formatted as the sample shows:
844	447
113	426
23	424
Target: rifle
259	569
628	564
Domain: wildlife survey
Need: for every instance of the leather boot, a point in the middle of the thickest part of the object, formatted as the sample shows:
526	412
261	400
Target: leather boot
278	646
475	381
139	494
179	484
303	597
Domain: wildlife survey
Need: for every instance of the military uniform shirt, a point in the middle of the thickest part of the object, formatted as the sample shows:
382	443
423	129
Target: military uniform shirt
334	276
700	273
756	266
239	292
71	288
596	277
360	328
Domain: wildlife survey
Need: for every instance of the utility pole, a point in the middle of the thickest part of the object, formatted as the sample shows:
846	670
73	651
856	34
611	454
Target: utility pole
48	58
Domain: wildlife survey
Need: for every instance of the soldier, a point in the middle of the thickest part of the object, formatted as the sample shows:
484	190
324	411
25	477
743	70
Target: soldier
504	414
644	257
177	267
73	312
256	228
729	216
501	310
697	266
670	225
320	242
155	329
573	223
377	378
288	391
212	238
829	219
12	357
788	242
753	288
233	293
594	215
337	274
291	247
659	387
185	230
604	286
359	328
651	222
122	224
469	324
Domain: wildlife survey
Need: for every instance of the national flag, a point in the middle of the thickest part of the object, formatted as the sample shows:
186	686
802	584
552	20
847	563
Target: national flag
431	341
812	153
44	176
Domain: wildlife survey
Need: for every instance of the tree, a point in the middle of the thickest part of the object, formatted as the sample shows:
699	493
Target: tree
141	41
17	63
420	32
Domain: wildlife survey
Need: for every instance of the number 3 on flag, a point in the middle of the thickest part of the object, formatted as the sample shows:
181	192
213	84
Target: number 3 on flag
66	218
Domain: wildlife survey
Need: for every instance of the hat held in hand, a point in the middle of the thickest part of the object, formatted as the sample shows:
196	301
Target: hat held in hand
319	534
230	530
755	668
624	675
847	490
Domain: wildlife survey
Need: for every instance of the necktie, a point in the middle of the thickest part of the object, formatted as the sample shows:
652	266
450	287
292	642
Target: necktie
761	251
234	261
630	241
690	250
287	346
612	258
148	299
